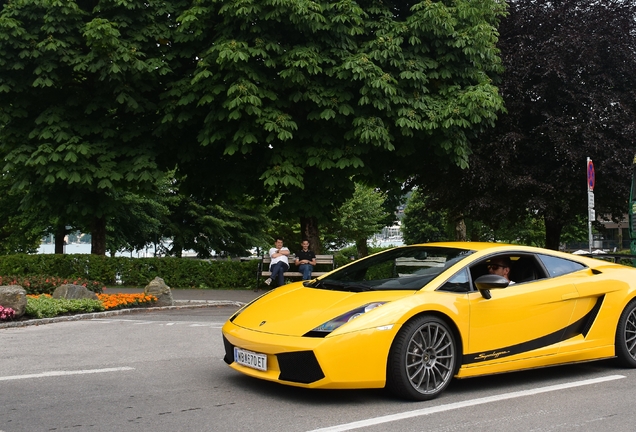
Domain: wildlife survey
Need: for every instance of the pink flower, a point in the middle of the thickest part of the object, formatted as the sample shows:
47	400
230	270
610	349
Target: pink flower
6	313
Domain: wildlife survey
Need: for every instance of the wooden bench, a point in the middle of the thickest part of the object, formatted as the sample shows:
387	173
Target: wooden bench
263	268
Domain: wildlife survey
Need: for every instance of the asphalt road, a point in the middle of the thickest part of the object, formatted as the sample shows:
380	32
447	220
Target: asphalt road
162	371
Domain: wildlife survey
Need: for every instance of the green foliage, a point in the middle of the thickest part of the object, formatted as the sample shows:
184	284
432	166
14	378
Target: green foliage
187	273
47	307
80	86
568	85
528	231
423	222
19	232
380	75
420	224
246	99
138	224
577	231
346	255
312	95
205	224
176	272
358	218
39	284
382	271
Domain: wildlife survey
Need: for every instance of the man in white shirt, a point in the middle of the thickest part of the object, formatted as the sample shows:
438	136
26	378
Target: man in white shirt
279	264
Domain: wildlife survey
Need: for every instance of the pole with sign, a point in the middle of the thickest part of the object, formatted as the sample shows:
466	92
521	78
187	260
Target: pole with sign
591	181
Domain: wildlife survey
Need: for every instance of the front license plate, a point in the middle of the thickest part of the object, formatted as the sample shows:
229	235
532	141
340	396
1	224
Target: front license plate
250	359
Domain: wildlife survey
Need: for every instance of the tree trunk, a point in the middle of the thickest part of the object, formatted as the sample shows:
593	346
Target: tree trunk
460	229
552	234
362	247
98	236
60	232
176	250
309	230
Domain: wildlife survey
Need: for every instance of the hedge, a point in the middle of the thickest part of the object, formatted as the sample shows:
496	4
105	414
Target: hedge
137	272
111	271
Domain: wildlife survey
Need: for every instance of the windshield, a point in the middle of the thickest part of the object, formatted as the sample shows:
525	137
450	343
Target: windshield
404	268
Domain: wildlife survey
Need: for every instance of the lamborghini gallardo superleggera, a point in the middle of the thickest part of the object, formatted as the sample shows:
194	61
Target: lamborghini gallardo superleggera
413	317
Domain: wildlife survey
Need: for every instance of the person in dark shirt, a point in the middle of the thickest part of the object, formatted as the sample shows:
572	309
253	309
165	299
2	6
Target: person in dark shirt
305	260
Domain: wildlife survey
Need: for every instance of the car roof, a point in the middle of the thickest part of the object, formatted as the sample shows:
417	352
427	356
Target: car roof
476	246
486	247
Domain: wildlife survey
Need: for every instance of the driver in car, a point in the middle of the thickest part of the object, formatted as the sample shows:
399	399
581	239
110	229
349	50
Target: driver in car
500	266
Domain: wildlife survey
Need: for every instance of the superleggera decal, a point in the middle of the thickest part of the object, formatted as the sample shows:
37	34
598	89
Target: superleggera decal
582	326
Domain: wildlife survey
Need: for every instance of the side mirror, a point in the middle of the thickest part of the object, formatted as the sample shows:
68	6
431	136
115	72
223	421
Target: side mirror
487	282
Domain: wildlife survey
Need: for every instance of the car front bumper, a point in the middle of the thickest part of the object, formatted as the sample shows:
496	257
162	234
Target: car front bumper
350	360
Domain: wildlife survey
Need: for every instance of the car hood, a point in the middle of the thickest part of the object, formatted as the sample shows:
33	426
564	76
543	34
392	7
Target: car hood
293	310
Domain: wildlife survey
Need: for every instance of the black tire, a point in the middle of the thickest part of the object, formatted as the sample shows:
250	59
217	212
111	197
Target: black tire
625	343
422	360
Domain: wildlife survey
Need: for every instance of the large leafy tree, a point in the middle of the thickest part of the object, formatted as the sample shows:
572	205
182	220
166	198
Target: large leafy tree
568	87
311	94
79	101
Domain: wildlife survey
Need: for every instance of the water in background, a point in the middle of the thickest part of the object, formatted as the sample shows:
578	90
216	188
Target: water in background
85	248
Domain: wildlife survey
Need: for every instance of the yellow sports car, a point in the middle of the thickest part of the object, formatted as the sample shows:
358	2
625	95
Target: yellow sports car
412	318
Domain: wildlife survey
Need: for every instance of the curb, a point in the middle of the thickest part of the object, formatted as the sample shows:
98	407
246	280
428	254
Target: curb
182	304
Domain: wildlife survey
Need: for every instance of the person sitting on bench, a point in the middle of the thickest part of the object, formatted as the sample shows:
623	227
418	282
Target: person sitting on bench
279	264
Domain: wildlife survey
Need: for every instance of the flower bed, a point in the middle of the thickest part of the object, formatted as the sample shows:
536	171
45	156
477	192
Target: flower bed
38	284
45	306
119	301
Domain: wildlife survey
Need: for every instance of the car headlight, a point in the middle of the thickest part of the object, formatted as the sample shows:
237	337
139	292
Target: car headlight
326	328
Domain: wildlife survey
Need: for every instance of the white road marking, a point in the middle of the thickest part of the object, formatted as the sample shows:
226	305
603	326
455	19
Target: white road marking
64	373
161	323
458	405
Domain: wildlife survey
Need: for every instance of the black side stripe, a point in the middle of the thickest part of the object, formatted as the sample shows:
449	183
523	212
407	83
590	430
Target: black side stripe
582	326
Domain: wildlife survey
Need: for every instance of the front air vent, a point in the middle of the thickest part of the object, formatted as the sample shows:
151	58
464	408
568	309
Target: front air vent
229	351
301	367
316	334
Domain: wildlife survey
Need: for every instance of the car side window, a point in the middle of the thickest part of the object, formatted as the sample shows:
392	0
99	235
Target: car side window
459	283
560	266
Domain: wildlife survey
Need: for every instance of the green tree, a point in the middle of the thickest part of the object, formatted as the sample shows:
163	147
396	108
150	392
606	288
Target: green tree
80	83
358	218
420	224
568	86
308	95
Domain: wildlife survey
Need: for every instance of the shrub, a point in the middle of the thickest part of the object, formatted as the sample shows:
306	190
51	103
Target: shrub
176	272
44	306
39	284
